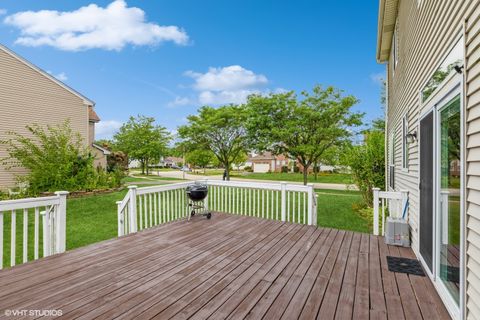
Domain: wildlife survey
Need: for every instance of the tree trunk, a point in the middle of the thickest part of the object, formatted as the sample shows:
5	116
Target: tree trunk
315	170
143	166
305	175
227	167
146	166
204	170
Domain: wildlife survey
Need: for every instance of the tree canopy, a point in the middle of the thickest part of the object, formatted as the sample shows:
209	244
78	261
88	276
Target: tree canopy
302	128
142	140
220	130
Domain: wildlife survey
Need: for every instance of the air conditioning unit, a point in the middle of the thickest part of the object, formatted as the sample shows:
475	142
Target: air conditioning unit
397	232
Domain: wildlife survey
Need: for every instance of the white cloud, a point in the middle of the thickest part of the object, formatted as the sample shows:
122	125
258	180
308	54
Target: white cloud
62	76
3	11
227	78
180	101
232	84
89	27
378	78
224	97
105	129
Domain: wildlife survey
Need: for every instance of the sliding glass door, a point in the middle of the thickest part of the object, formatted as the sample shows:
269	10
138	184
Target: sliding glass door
449	180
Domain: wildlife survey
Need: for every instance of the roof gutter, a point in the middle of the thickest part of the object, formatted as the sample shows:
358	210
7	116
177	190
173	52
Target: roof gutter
387	14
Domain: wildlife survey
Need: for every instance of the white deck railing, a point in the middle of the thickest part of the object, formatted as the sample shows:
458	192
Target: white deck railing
393	202
52	211
146	207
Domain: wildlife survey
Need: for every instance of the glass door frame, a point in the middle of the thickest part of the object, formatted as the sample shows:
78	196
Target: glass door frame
452	87
455	88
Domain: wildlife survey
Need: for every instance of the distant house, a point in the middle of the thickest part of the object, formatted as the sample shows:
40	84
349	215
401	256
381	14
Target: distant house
267	162
30	95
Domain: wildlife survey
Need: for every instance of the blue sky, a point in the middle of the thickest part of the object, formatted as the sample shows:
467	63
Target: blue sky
166	58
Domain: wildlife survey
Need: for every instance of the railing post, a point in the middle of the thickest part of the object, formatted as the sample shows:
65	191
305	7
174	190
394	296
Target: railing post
46	232
132	212
121	219
61	222
311	202
283	200
376	198
205	181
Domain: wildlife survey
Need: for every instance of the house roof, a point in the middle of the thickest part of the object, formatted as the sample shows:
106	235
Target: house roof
92	115
105	151
174	159
47	75
267	156
387	16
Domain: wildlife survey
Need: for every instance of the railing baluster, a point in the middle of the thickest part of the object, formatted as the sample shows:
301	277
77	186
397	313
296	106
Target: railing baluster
140	213
299	207
150	209
13	233
304	207
263	203
36	233
288	206
25	235
164	216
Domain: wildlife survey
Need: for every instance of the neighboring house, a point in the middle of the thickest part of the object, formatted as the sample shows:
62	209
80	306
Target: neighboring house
30	95
266	162
432	52
172	161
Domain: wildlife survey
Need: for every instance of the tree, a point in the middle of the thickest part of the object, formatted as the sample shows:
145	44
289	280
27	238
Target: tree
220	130
199	158
303	129
366	162
142	140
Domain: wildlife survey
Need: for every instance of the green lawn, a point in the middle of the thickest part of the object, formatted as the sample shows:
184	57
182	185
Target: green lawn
298	177
335	210
94	218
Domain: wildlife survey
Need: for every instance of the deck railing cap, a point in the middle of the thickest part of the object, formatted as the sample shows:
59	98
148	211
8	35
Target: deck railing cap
132	187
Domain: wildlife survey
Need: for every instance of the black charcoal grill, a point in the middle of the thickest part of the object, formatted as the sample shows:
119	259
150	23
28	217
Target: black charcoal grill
197	194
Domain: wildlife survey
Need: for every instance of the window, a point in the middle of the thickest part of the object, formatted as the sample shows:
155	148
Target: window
451	63
404	142
391	162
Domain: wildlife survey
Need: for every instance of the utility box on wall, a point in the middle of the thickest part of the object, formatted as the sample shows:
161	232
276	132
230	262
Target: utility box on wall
397	232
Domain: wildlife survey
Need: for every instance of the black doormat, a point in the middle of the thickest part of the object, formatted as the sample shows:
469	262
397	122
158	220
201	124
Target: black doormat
405	265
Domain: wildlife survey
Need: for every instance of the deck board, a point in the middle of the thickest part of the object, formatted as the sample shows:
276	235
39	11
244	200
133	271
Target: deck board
234	267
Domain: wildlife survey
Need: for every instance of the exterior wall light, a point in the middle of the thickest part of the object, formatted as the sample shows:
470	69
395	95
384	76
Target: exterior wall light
411	137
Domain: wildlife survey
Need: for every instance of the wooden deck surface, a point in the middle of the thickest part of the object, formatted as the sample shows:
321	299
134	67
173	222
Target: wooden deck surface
229	267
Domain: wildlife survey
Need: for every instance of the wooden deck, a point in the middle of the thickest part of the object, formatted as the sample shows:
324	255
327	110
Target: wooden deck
228	267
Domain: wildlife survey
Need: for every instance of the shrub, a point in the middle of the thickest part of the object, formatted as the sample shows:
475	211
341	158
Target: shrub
56	159
248	169
367	163
285	169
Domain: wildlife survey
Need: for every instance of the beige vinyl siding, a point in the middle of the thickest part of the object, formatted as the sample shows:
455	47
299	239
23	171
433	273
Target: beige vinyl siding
26	97
472	100
426	33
